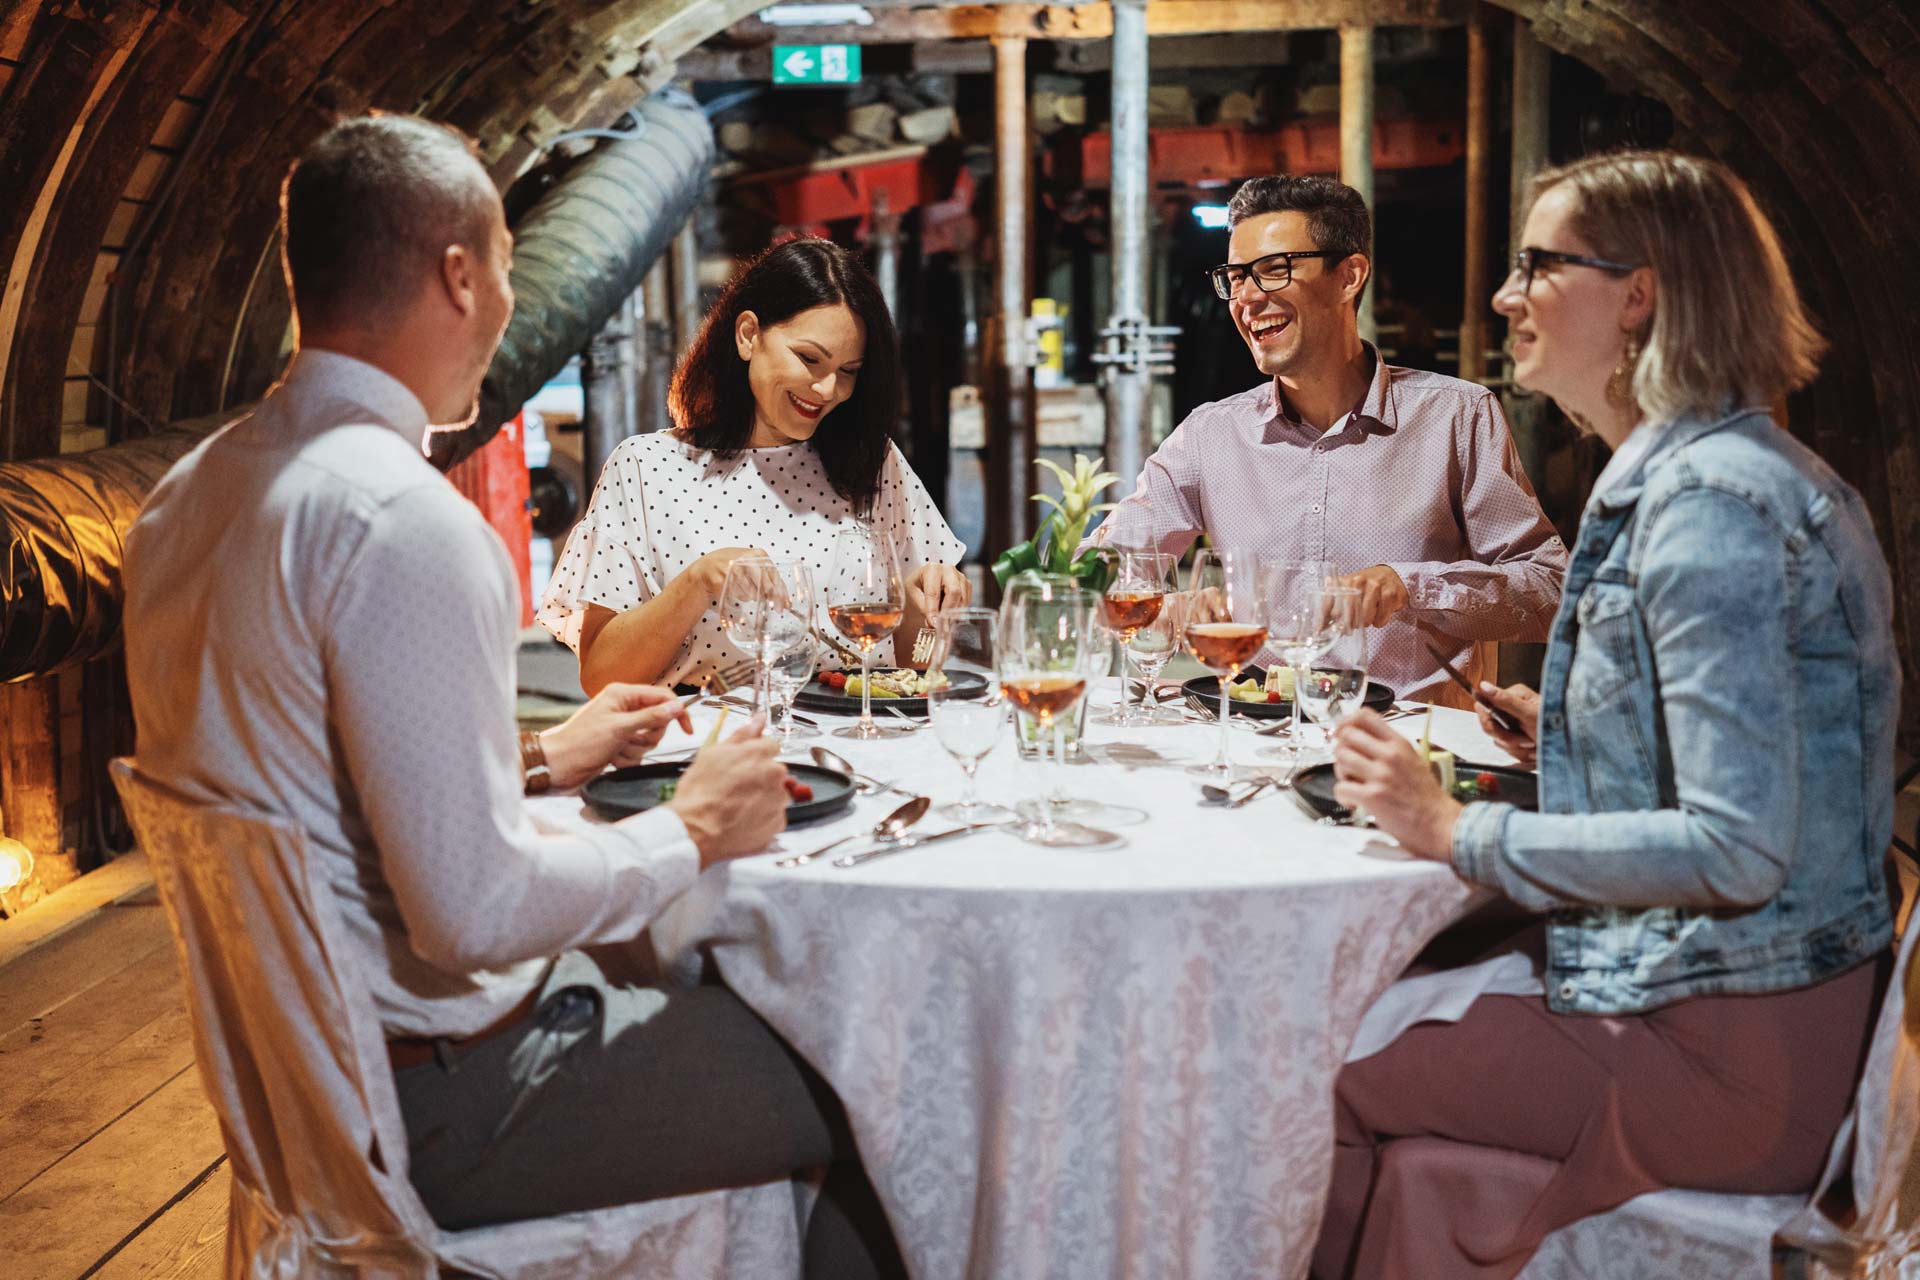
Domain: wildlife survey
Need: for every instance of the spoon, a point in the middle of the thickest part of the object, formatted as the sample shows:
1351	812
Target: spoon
886	831
865	785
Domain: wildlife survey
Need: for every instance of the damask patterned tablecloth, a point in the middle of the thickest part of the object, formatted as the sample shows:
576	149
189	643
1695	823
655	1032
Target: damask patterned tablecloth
1084	1063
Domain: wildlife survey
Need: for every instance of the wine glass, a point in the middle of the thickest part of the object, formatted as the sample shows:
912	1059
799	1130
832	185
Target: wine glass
1134	600
1296	597
766	607
1048	654
1150	649
787	676
967	723
1336	686
1226	627
866	599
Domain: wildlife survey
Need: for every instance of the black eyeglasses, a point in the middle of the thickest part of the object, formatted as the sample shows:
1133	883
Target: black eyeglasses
1275	271
1527	261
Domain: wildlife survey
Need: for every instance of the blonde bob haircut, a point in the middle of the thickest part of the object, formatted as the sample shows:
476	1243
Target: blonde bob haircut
1728	329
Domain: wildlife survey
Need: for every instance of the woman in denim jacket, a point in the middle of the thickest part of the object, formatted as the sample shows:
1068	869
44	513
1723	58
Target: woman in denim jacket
1714	734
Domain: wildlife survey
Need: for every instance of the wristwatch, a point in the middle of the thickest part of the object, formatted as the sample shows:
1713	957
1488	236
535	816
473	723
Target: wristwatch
538	778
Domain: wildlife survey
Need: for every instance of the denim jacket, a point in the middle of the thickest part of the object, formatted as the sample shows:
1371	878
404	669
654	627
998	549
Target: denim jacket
1717	719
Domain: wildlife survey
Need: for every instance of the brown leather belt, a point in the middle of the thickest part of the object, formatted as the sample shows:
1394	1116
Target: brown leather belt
417	1051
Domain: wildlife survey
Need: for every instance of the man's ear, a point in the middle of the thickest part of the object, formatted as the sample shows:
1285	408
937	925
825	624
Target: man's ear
1355	270
1643	290
746	334
458	276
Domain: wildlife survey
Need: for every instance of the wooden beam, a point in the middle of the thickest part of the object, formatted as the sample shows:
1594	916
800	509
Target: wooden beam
1095	21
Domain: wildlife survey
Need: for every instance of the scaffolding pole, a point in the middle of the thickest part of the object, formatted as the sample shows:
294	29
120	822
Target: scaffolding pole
1129	380
1356	135
1010	399
1476	304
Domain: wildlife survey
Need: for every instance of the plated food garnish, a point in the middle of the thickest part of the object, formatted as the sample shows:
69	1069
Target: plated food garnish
896	683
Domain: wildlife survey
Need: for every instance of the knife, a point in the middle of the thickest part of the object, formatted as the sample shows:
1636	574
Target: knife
868	855
1494	713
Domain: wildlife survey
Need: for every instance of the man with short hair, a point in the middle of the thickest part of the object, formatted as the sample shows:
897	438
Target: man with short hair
321	628
1406	481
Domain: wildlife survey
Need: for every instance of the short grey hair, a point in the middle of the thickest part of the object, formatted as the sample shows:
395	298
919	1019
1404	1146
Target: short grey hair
1728	329
368	210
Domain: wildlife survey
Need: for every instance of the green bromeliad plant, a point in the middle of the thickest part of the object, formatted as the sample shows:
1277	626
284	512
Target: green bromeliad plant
1052	547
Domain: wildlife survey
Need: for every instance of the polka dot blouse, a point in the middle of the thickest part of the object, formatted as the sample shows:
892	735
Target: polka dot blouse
661	504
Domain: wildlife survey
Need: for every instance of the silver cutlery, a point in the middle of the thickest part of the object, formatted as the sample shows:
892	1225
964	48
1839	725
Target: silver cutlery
887	831
744	705
901	846
918	724
862	783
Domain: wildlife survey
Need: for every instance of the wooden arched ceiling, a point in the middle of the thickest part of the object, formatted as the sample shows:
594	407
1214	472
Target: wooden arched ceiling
1816	102
95	77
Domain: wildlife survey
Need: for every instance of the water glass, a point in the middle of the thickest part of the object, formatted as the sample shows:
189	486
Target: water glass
967	723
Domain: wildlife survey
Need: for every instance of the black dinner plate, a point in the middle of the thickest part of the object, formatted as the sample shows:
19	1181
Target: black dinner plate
815	696
1207	688
1517	787
636	789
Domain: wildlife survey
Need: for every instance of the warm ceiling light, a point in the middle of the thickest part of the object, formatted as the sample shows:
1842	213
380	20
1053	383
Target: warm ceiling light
817	15
16	863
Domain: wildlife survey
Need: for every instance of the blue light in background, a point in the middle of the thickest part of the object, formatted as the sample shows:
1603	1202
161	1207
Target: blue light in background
1211	216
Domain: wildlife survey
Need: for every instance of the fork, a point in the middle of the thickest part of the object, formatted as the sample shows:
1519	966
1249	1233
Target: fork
922	647
725	679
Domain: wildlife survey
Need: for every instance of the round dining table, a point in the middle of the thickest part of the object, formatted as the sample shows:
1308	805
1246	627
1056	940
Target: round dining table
1112	1062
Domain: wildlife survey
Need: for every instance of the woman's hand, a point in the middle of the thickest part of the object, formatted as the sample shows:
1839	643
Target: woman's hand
1523	704
709	572
618	726
933	587
1376	768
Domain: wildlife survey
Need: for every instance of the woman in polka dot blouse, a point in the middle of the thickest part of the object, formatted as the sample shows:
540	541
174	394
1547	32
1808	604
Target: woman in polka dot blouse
752	465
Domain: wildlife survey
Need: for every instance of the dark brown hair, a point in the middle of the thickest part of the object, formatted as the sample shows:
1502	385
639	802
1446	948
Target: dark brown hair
712	404
370	207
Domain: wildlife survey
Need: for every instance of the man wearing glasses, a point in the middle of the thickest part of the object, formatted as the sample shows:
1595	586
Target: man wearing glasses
1405	480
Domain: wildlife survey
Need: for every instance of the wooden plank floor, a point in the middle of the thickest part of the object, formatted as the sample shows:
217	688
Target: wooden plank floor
110	1157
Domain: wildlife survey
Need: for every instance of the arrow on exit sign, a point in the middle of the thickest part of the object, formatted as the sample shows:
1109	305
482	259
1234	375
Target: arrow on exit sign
816	63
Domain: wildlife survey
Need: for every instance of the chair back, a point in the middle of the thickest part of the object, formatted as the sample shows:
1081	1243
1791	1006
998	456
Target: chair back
1877	1151
287	1046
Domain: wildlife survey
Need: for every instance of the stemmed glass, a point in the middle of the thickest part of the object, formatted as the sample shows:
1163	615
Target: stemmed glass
967	723
788	675
1049	651
1134	601
1336	686
1151	648
1226	626
766	609
866	599
1296	595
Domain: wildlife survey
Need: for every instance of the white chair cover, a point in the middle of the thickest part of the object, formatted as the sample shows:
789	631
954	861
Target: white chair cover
296	1067
1697	1233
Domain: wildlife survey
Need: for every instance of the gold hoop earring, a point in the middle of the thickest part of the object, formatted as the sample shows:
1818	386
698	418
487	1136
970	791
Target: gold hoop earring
1620	381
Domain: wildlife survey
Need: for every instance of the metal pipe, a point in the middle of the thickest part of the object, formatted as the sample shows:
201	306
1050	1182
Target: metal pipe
607	387
1356	136
1475	305
655	348
1010	402
687	312
1527	414
1129	386
886	253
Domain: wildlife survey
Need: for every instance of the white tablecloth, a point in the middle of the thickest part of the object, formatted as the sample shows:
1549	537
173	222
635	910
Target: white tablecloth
1084	1063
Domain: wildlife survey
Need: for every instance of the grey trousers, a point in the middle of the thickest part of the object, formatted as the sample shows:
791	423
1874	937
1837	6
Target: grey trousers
613	1091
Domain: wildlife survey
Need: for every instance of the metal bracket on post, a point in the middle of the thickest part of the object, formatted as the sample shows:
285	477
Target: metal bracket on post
1134	346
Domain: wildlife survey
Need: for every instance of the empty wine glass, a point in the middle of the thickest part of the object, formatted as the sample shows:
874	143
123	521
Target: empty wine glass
1336	685
1226	625
1134	600
786	677
967	722
1297	603
1047	657
766	608
866	599
1150	649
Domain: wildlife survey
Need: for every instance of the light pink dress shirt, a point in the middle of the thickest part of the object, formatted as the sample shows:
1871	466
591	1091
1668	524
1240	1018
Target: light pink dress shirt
321	628
1421	476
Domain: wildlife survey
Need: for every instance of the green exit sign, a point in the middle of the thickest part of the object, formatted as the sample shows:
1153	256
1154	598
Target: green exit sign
816	63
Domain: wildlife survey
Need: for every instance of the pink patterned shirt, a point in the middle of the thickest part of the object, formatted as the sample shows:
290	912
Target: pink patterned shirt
1421	476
